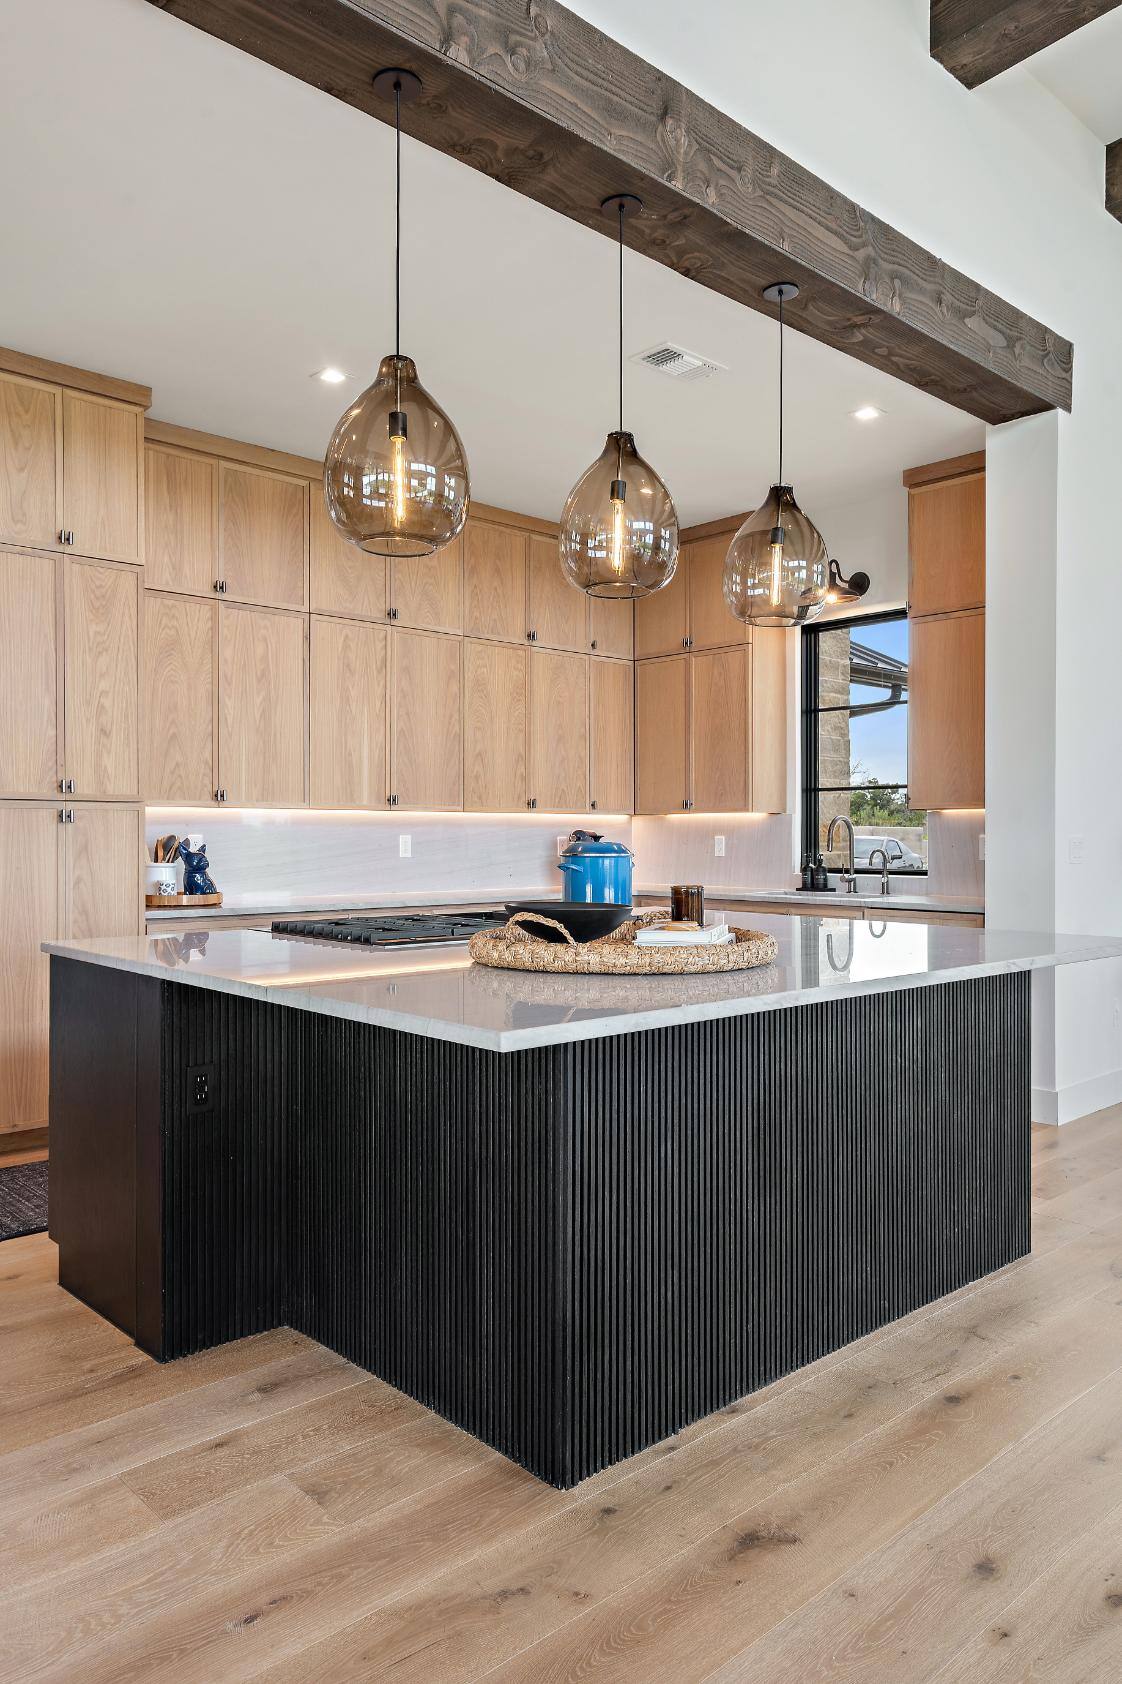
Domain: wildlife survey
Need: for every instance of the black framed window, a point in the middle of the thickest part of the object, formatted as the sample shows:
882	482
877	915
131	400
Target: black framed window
855	744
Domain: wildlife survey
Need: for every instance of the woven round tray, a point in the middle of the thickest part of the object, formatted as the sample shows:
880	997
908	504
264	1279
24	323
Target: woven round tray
516	948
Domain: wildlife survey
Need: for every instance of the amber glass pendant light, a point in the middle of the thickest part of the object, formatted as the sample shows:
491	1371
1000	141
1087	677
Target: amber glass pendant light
777	571
619	527
395	476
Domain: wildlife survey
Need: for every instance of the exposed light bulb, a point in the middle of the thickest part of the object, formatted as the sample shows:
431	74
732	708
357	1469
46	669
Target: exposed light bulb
399	428
776	552
618	500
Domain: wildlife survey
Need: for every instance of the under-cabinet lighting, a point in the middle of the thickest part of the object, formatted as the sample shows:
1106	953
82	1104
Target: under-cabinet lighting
867	412
330	376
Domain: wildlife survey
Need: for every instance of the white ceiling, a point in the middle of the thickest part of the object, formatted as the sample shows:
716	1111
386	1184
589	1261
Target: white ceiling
1084	71
176	213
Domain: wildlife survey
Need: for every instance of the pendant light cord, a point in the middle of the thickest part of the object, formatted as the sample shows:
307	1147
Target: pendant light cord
781	389
621	314
397	227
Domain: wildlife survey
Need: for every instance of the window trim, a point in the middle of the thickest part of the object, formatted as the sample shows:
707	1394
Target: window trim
809	673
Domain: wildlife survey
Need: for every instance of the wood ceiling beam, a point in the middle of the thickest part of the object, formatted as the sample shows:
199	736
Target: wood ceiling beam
978	39
1114	179
538	99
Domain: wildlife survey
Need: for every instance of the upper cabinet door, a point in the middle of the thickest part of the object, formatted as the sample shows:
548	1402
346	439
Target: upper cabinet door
30	462
263	536
767	718
947	545
611	627
426	713
427	592
103	477
347	702
719	731
180	520
559	731
558	612
662	619
343	579
712	623
494	581
261	715
496	727
100	665
946	712
612	737
662	735
177	698
29	736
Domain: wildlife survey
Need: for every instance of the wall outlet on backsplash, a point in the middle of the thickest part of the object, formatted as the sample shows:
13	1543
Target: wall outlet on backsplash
405	847
982	846
719	846
562	844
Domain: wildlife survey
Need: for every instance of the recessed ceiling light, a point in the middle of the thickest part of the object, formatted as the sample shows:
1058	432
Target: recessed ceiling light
330	376
867	412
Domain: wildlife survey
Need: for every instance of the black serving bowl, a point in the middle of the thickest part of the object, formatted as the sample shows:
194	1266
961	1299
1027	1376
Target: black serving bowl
584	920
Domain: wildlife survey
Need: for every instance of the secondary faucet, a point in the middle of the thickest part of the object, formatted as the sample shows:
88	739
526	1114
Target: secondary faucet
849	878
883	852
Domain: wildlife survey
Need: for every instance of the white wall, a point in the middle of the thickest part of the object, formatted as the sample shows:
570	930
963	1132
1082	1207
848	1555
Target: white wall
1007	185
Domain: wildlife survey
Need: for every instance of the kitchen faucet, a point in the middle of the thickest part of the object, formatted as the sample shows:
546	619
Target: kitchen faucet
883	852
849	878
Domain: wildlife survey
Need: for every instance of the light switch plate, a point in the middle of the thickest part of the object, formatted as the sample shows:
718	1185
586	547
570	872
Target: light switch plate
719	846
562	844
404	847
1076	847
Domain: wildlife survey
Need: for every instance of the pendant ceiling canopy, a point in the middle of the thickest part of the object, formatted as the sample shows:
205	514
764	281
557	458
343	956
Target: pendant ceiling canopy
395	476
619	527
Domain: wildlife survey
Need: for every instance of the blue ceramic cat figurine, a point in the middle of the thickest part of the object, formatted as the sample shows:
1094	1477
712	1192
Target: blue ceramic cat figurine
196	871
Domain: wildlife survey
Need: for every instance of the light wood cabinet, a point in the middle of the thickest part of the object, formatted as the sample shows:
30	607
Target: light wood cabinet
496	727
29	894
719	731
348	693
100	668
180	520
558	731
558	612
263	536
261	707
79	879
947	545
495	581
767	721
178	689
427	592
426	721
946	712
30	462
343	580
30	740
662	619
662	782
712	623
611	627
611	729
101	871
103	477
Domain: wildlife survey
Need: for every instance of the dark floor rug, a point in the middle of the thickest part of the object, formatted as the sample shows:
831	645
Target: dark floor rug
23	1199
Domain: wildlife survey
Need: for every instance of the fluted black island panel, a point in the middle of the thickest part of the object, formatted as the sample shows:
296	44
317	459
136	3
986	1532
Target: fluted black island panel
570	1250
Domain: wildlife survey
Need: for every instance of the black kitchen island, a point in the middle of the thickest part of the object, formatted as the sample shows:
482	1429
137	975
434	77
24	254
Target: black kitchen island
570	1214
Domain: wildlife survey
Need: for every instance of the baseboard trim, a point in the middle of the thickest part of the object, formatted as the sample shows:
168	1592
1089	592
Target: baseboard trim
1056	1106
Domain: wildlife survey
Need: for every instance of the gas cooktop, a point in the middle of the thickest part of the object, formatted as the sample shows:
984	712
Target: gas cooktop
391	930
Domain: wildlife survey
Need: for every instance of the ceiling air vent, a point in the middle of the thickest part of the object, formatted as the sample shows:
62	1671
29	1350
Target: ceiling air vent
680	364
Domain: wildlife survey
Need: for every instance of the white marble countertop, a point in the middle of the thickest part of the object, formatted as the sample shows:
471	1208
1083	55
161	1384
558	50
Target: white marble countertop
436	991
309	906
898	899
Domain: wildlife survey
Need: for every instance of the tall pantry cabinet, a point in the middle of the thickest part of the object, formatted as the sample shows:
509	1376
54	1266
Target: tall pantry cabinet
71	619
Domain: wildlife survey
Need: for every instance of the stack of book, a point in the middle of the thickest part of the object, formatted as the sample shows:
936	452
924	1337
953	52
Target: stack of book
684	934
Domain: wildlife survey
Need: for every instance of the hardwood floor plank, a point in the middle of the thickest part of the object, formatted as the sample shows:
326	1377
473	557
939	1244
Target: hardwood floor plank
343	1421
53	1540
1066	1626
40	1474
1094	1204
977	1550
84	1403
354	1484
699	1610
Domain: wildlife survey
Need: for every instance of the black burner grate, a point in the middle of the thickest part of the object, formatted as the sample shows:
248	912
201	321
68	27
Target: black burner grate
391	931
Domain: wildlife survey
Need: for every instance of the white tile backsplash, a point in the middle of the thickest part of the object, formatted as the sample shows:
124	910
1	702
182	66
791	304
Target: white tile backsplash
295	859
